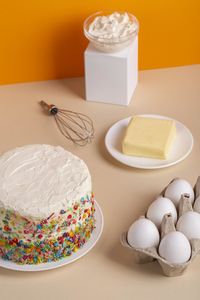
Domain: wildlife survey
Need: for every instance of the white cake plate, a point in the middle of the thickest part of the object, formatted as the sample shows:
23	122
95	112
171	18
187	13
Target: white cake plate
67	260
181	148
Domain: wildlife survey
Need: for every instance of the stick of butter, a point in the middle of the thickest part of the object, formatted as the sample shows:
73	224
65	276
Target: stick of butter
149	137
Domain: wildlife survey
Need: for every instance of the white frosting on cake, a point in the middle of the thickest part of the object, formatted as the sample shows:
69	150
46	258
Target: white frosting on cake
37	180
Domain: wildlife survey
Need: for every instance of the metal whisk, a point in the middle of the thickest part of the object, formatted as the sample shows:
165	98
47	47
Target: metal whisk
76	127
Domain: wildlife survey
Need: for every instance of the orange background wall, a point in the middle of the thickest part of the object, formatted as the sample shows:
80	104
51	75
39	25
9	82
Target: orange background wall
42	39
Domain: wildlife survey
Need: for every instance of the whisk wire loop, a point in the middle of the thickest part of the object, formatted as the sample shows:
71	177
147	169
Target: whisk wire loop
74	126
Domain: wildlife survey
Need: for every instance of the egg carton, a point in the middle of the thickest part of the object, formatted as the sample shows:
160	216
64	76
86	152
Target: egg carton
143	256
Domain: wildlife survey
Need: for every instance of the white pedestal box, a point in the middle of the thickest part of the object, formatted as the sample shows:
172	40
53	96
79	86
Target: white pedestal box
111	77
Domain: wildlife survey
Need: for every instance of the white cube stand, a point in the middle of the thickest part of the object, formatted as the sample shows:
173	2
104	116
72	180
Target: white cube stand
111	77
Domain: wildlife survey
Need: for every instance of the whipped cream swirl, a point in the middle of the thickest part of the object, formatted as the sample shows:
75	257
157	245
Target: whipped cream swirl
112	27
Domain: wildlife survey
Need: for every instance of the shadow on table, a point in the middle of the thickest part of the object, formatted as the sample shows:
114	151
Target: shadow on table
125	257
75	87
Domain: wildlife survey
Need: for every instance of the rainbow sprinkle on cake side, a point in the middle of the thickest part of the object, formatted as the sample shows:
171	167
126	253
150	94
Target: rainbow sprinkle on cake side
39	234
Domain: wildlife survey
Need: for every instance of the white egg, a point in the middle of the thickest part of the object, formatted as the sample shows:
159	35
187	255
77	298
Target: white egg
143	234
189	225
159	208
175	248
177	188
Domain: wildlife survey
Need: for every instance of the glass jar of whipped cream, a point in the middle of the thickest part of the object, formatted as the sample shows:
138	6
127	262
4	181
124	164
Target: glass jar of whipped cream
111	32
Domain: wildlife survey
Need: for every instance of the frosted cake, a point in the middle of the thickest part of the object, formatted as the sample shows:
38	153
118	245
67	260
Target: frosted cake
46	204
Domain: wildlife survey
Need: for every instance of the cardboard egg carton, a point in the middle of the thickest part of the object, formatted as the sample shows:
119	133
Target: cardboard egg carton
143	256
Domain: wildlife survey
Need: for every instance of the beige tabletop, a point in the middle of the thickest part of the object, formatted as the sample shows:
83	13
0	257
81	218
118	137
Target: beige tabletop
109	270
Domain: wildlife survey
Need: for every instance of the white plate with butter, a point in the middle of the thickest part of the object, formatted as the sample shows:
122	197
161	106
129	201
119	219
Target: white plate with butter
181	147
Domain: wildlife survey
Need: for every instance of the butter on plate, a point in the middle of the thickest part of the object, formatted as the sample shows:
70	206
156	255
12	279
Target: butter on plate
149	137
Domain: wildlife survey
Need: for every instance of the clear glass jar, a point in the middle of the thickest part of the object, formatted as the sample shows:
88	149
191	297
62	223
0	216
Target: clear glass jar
113	44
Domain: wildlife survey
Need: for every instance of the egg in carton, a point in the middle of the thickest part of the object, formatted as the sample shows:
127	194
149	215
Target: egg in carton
147	255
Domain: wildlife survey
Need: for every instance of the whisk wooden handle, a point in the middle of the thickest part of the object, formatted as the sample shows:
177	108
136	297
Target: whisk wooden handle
51	108
45	105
